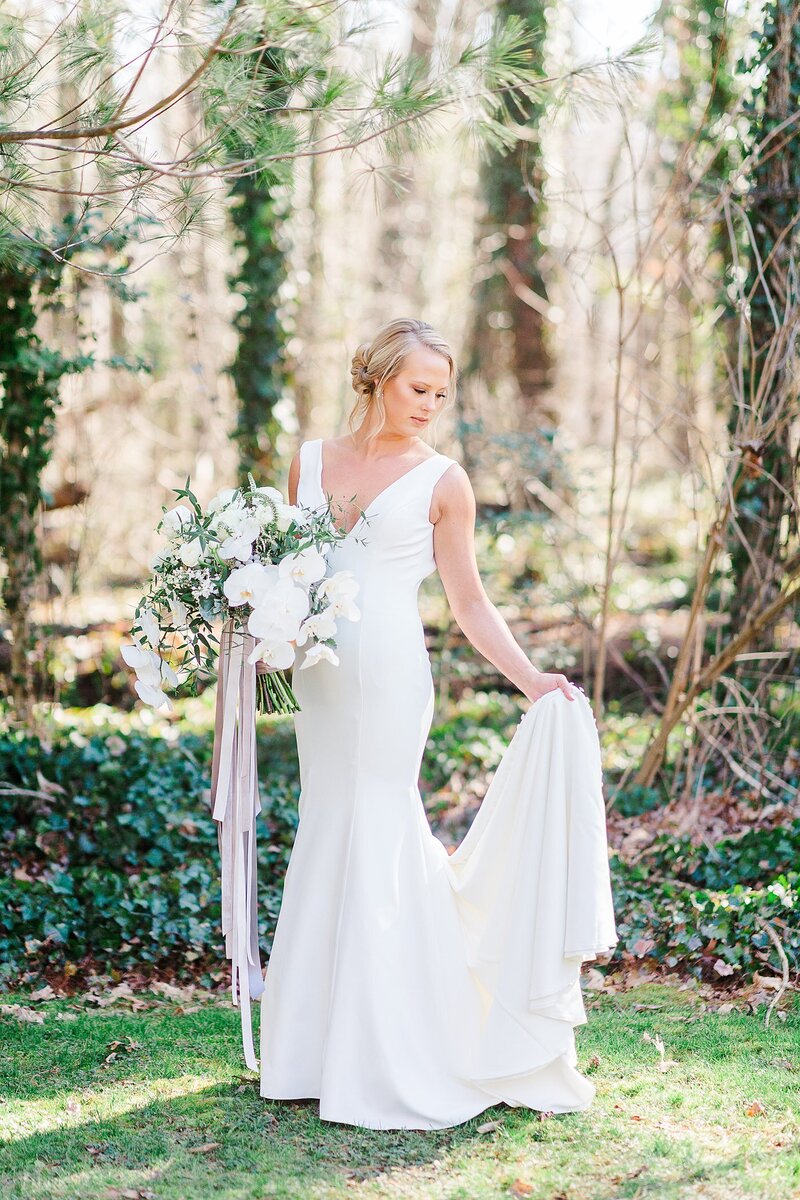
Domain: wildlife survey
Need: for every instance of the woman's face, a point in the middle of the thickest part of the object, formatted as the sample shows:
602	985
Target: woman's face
417	392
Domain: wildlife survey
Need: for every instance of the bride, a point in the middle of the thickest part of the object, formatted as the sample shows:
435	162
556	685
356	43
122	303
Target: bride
409	988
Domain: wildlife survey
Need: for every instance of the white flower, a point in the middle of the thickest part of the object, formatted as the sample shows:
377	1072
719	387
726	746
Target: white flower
305	567
190	553
139	657
152	695
279	611
173	521
178	611
272	492
316	652
274	653
287	514
151	671
339	589
341	583
343	606
149	626
244	530
321	625
221	499
248	584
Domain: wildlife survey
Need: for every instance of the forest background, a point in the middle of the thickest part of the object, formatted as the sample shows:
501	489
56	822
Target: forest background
205	209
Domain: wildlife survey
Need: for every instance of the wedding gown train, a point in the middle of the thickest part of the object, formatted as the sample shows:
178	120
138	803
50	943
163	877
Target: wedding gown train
408	987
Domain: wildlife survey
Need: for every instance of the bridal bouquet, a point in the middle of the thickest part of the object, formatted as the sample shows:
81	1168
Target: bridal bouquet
258	565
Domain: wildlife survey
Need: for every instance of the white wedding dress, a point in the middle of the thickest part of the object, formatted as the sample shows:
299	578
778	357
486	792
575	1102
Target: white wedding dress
408	988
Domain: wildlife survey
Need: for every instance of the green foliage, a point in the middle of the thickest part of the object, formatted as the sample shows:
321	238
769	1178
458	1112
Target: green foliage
109	852
257	212
767	520
472	741
712	932
109	856
30	375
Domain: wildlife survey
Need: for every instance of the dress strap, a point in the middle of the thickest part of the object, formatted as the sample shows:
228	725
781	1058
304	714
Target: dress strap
442	464
309	485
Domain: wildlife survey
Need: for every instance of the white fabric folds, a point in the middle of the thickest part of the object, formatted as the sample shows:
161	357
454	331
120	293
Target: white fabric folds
532	882
235	804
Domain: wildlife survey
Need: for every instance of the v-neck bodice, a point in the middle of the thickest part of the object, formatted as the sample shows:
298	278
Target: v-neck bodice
393	540
383	490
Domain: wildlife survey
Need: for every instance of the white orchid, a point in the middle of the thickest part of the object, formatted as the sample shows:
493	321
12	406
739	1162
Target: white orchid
154	696
316	652
303	568
339	590
246	558
150	667
172	522
321	625
149	626
151	671
278	654
243	532
279	611
250	583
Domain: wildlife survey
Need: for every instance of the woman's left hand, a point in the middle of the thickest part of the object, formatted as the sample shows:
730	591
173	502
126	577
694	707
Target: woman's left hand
544	682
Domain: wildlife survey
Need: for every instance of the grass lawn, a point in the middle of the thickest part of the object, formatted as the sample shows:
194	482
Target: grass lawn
174	1115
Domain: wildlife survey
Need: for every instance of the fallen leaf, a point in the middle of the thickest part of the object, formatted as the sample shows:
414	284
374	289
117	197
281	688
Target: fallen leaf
43	993
22	1013
520	1188
768	981
488	1126
756	1109
206	1148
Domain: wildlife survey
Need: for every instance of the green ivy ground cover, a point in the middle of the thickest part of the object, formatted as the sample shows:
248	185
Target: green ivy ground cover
691	1104
109	860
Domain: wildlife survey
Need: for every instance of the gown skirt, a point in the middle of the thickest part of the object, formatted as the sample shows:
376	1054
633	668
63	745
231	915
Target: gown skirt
409	988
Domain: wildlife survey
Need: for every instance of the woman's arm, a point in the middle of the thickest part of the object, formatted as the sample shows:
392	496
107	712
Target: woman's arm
294	478
453	513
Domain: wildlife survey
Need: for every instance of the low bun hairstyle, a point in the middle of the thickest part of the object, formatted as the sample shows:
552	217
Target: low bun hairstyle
376	362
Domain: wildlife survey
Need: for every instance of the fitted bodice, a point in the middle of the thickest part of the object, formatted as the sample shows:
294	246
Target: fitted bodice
391	546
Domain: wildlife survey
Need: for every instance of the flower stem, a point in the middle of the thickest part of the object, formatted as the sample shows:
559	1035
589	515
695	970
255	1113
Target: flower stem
274	693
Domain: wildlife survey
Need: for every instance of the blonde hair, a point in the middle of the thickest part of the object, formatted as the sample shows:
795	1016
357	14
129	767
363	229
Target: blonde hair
376	362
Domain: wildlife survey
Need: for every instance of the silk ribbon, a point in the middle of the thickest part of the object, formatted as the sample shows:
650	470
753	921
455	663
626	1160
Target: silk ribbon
235	804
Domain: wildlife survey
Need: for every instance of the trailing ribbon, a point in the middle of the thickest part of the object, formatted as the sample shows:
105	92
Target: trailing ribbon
235	804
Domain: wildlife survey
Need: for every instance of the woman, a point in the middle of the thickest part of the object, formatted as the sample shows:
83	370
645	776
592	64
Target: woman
399	990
